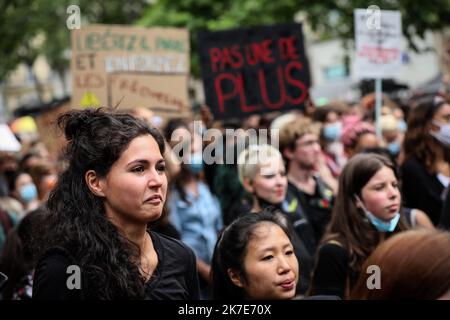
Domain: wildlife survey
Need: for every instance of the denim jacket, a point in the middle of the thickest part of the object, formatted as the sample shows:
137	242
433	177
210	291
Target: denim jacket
198	222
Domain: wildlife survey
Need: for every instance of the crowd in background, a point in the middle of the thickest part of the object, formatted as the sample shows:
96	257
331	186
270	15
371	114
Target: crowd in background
336	199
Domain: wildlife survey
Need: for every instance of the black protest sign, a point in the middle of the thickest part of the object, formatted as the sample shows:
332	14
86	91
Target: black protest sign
254	70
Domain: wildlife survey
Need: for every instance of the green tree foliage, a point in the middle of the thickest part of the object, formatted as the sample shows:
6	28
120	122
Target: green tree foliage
22	21
16	32
327	18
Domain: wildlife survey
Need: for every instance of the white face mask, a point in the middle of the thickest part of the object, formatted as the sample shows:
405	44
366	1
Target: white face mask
443	135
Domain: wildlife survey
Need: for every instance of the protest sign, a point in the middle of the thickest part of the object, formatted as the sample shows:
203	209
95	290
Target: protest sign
131	67
378	43
254	70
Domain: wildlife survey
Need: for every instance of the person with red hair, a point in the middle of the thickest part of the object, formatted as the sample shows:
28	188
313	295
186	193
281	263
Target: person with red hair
357	135
413	265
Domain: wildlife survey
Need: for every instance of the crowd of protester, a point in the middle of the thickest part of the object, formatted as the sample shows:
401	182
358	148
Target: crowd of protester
144	218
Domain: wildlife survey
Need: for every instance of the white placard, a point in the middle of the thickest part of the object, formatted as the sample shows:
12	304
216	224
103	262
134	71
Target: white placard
8	141
378	35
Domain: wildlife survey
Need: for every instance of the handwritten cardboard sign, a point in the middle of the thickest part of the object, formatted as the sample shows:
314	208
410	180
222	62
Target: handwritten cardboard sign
131	67
254	70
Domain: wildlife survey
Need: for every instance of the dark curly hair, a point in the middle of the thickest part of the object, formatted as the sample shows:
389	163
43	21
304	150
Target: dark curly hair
78	223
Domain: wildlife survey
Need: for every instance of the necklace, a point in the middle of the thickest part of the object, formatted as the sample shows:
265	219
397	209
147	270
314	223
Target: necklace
149	260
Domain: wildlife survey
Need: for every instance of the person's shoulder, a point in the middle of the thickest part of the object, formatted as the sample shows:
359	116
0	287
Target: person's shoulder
411	165
333	247
332	257
55	261
51	275
57	253
420	218
172	244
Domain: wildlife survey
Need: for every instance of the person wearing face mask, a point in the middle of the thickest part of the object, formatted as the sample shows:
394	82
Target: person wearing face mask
332	148
366	212
333	131
425	170
391	134
330	134
44	177
402	126
399	113
194	211
23	189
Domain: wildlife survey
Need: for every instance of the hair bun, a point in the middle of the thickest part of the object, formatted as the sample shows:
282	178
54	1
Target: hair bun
74	122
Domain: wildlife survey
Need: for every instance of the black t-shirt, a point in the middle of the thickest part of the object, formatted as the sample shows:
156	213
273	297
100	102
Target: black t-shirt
166	229
175	277
445	217
332	273
421	190
293	210
317	207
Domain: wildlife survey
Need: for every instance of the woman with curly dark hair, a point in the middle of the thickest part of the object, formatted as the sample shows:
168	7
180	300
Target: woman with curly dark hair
98	245
425	170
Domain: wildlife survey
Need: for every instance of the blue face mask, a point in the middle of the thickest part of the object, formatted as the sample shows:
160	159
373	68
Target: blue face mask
28	192
402	126
332	131
196	163
394	148
380	225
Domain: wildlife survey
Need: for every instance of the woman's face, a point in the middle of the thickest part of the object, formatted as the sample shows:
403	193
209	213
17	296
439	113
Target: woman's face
270	265
381	195
443	114
22	180
135	187
25	190
270	182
